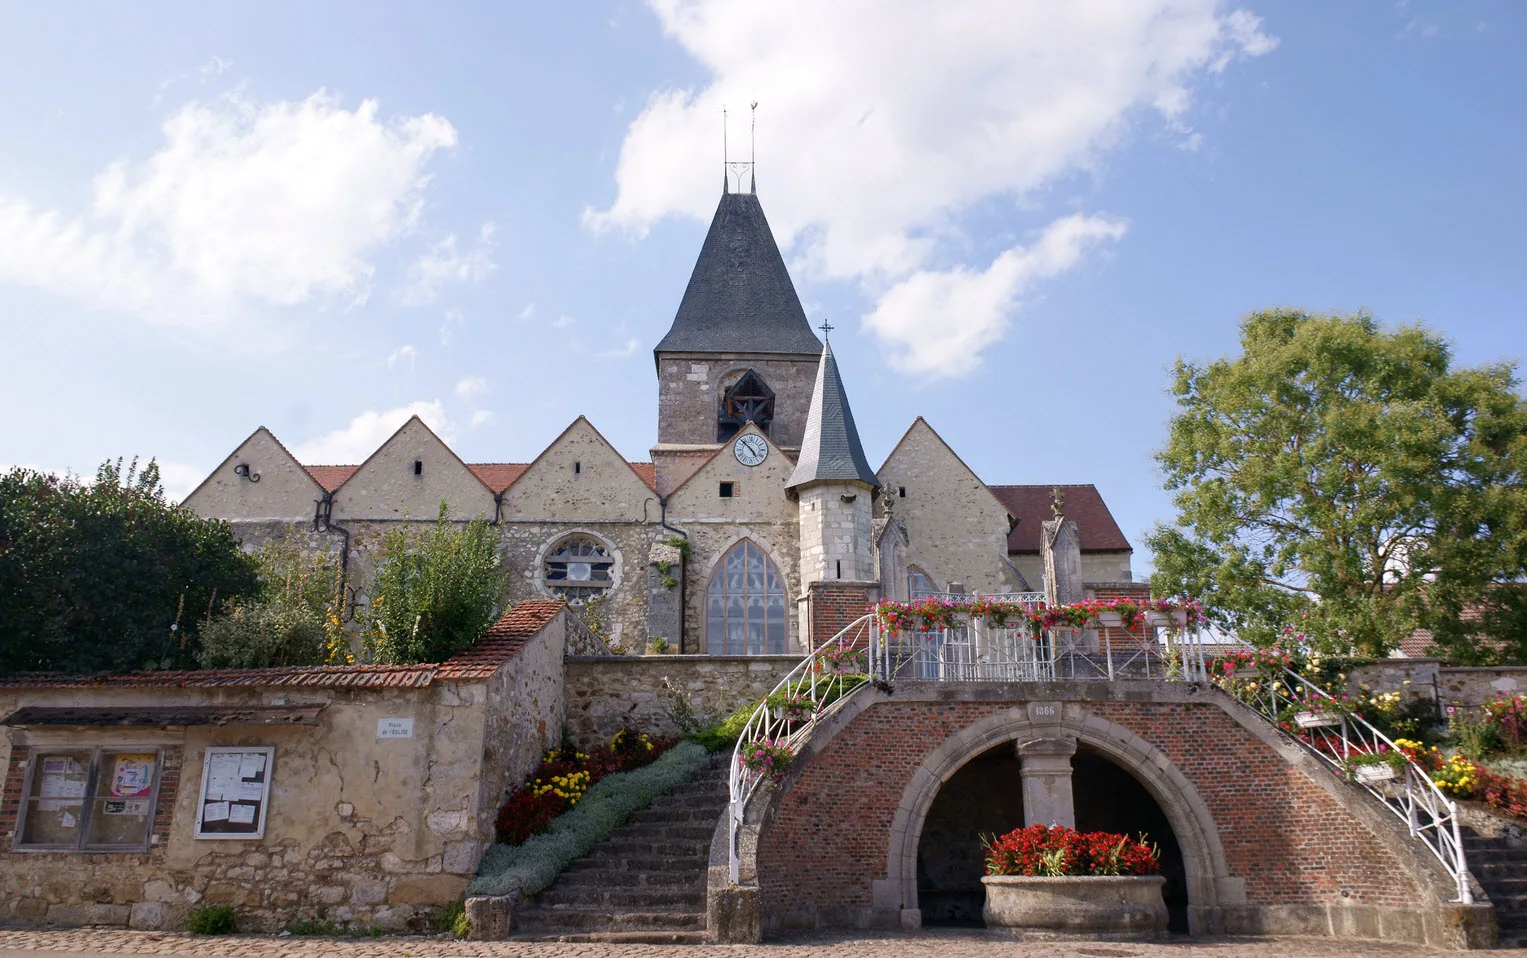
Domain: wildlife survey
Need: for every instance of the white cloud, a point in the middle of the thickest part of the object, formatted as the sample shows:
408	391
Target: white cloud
443	263
403	354
472	388
630	347
361	437
481	416
454	319
883	121
563	321
937	323
527	312
245	204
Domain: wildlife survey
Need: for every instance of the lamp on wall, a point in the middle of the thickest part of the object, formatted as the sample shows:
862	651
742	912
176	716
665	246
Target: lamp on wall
242	471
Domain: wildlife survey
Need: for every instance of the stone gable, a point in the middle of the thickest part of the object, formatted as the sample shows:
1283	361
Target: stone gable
409	476
957	529
580	477
284	490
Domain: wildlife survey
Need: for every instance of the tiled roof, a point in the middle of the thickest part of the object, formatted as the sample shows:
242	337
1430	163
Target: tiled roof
647	472
498	476
1031	506
740	298
499	644
331	477
830	448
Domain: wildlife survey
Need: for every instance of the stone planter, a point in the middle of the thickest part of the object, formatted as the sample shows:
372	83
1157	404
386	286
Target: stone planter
1091	906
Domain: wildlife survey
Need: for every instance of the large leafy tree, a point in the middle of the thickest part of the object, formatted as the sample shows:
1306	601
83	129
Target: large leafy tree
1347	479
107	575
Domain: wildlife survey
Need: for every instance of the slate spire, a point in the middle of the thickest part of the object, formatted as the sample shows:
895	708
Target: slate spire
830	449
740	298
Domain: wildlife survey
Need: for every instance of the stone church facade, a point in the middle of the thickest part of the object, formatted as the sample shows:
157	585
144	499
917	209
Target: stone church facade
756	526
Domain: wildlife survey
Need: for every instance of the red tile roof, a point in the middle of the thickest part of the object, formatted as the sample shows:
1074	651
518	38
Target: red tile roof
647	472
331	477
1031	506
498	476
501	642
498	645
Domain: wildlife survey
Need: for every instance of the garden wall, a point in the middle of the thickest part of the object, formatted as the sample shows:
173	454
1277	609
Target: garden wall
607	693
382	786
1453	685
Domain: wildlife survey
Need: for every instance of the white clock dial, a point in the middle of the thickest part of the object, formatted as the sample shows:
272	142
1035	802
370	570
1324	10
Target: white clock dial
751	449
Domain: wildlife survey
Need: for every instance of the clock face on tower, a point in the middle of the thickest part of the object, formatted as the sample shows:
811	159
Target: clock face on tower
751	449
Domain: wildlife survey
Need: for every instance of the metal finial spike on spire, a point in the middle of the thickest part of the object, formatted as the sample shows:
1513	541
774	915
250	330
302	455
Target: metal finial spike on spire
753	149
725	156
826	328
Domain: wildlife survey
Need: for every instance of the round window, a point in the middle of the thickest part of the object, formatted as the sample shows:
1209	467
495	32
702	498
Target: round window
579	567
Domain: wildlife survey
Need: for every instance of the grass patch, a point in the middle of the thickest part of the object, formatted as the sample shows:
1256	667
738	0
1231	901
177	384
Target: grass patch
210	920
531	866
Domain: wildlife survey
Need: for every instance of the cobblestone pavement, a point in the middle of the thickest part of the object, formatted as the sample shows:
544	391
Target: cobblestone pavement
943	944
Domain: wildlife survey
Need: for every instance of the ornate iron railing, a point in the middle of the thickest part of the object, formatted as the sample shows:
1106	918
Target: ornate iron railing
1293	704
786	716
982	651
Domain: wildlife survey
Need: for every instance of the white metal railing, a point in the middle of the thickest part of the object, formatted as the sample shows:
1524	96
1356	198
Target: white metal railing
1336	738
980	650
786	716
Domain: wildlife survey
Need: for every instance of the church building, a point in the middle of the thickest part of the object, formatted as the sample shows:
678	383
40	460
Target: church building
758	526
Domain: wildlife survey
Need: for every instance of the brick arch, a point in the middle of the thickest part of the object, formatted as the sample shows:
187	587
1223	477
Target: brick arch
1208	874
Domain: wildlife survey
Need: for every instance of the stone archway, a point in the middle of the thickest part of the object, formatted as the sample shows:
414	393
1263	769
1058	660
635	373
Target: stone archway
1209	883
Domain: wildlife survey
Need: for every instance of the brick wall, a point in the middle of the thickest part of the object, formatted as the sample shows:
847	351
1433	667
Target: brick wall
1288	839
1120	638
834	605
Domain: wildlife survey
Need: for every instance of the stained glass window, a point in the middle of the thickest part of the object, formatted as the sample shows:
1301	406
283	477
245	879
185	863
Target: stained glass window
745	604
579	568
919	583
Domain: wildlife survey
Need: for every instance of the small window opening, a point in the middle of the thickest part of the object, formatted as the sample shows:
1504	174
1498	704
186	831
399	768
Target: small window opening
901	492
418	467
577	468
728	490
840	568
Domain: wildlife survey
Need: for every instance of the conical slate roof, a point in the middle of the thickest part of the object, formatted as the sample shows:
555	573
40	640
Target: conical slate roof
830	450
740	298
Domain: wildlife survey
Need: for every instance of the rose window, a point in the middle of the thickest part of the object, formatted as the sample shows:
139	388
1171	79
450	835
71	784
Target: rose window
579	568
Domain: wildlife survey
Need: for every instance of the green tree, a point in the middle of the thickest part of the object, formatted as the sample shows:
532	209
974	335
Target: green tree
433	597
294	618
1344	478
107	575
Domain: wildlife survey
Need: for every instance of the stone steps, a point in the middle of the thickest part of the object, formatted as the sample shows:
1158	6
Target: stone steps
1500	865
645	883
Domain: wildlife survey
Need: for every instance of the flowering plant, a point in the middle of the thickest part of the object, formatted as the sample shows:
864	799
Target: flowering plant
1396	760
1056	850
562	778
841	661
932	614
792	708
766	757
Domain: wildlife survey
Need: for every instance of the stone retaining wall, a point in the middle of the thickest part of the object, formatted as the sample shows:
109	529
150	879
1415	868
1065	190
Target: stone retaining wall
607	693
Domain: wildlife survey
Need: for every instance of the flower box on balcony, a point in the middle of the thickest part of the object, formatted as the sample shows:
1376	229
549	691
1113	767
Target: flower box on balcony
1316	719
1110	620
1372	774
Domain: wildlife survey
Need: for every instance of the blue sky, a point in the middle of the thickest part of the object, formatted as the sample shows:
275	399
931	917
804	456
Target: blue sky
1016	214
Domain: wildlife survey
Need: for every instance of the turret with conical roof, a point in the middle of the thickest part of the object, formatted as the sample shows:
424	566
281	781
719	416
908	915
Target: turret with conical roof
830	449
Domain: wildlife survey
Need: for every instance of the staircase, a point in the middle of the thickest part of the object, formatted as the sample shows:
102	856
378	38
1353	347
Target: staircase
646	882
1500	864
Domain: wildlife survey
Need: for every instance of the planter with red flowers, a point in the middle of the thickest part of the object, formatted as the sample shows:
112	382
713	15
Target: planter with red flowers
1051	881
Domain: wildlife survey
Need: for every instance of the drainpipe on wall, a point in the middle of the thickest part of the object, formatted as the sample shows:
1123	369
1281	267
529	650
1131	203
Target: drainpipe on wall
498	507
322	522
662	505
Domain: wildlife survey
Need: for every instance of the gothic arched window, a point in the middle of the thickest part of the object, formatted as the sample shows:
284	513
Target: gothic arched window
745	604
748	400
579	567
919	583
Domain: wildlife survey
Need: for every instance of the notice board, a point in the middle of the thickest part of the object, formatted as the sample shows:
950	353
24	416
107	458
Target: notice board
235	792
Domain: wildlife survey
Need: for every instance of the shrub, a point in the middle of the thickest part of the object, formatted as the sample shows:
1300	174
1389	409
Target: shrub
435	597
452	919
1053	851
1478	739
529	867
210	920
725	733
259	635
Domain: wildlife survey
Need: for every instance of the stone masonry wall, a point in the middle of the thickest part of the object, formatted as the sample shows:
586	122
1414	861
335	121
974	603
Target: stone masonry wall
690	387
608	693
1289	839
